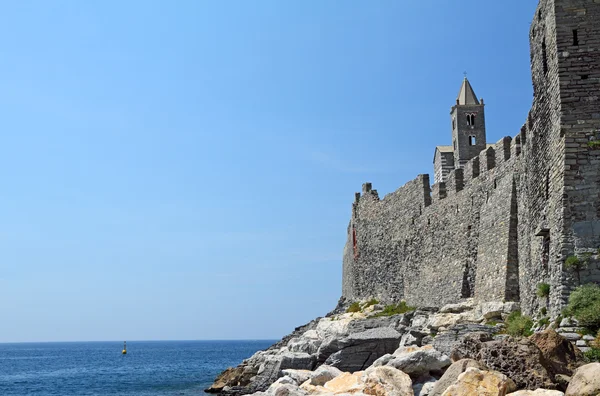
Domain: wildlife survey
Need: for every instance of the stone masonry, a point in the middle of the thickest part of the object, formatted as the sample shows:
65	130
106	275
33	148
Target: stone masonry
501	218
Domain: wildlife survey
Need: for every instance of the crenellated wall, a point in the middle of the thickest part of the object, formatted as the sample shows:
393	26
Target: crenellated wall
510	217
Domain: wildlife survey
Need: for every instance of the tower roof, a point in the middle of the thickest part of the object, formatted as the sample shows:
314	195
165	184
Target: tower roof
467	96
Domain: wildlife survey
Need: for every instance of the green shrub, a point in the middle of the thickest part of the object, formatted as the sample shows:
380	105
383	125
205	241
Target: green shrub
584	305
545	321
354	307
593	355
543	290
518	325
543	311
371	302
395	309
572	262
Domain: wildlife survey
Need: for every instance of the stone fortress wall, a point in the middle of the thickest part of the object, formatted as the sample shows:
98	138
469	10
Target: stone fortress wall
508	218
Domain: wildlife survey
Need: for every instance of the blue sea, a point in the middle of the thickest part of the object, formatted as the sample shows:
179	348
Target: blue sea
98	368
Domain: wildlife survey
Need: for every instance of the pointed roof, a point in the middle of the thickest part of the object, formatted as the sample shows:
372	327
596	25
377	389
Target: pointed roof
467	96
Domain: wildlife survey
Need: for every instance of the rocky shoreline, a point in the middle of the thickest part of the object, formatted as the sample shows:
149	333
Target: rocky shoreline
459	349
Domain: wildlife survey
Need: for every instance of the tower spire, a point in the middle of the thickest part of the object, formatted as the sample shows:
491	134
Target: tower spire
467	96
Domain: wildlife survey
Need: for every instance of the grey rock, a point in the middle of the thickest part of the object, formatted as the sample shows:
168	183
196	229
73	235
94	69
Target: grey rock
324	374
382	361
446	341
419	361
581	343
588	337
423	386
585	349
571	336
300	376
306	345
358	351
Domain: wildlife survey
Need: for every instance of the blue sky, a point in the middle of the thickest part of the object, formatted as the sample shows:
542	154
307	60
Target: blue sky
185	170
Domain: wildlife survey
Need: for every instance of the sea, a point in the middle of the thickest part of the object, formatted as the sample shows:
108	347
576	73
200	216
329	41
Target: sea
149	368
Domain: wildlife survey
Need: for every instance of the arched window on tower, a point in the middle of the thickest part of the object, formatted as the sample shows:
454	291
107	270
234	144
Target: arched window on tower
472	140
470	119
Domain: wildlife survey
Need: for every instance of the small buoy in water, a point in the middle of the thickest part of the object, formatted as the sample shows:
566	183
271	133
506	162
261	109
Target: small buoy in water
124	351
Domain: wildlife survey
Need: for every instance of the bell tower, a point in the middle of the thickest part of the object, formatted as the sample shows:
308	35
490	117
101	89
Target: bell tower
468	125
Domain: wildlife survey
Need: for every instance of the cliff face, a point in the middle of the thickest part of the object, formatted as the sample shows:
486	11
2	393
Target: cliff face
508	219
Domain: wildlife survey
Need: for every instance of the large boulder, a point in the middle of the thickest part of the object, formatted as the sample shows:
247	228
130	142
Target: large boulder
585	381
452	373
562	356
346	383
537	392
387	381
358	351
416	361
299	376
481	383
306	345
447	340
324	374
519	359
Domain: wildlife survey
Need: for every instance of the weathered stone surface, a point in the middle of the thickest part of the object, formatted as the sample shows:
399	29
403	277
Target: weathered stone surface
424	385
571	336
358	351
481	383
306	345
558	352
285	389
447	340
467	305
323	374
387	381
346	383
492	309
452	373
299	376
416	361
585	381
537	392
519	359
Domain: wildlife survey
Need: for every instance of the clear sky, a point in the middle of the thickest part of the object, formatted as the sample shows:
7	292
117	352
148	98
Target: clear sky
185	169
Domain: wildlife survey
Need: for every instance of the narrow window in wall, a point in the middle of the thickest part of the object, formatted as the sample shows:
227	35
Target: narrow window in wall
547	184
546	251
539	15
575	37
469	231
454	144
495	183
420	210
544	57
453	123
354	243
472	140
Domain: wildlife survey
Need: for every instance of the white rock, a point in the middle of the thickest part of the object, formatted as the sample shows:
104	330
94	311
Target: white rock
323	374
416	361
492	309
328	328
458	308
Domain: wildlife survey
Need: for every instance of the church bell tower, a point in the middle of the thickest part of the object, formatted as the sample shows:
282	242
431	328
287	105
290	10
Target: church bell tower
468	125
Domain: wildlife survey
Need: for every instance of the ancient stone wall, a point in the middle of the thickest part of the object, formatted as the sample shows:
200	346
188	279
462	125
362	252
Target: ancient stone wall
508	219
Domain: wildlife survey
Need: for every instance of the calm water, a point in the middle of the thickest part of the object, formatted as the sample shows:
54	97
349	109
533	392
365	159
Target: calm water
98	368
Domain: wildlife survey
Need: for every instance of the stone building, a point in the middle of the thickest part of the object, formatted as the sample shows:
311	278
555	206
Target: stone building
468	134
500	218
